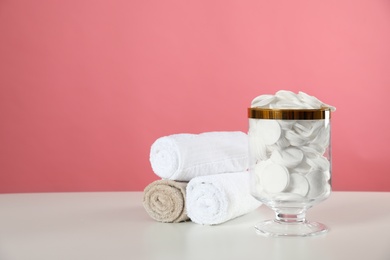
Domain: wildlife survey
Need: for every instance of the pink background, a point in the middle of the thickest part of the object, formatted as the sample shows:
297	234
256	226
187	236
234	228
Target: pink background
88	86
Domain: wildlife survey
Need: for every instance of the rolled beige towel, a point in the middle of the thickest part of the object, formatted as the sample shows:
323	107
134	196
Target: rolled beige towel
164	201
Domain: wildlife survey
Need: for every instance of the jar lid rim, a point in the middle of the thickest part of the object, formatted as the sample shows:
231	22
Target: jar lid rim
289	114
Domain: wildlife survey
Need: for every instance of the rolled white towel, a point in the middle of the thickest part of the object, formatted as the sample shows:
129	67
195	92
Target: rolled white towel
215	199
182	157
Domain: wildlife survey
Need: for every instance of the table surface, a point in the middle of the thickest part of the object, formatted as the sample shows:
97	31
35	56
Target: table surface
114	225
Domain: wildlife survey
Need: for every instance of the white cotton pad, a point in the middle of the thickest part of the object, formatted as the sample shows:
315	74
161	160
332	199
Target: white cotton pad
287	95
286	124
303	167
317	181
269	130
321	141
262	100
310	100
313	101
255	182
327	175
259	167
289	157
295	139
282	142
319	162
261	150
257	147
298	184
288	104
309	128
256	144
274	177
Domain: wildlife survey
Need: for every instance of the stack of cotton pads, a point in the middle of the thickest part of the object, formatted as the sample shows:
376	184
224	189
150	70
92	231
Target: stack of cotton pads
284	99
289	156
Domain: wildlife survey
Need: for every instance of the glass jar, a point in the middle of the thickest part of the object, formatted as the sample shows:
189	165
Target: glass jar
290	166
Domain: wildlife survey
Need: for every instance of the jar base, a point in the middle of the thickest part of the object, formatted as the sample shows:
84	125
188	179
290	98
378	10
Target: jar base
276	228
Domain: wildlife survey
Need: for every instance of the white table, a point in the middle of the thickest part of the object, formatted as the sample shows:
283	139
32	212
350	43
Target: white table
114	225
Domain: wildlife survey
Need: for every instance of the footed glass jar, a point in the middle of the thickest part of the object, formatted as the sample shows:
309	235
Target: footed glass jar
290	166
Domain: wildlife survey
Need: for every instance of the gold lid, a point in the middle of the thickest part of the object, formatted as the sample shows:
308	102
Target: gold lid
289	114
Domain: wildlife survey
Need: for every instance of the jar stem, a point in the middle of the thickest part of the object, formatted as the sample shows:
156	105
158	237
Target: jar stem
289	218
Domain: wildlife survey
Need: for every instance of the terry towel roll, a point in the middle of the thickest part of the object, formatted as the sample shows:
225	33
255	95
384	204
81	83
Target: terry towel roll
185	156
215	199
164	201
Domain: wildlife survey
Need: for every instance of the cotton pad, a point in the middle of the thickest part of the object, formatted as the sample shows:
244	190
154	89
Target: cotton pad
289	157
317	183
274	177
298	184
270	131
